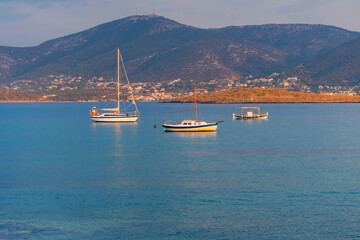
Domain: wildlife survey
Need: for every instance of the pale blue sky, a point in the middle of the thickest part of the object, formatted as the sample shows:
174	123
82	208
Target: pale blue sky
31	22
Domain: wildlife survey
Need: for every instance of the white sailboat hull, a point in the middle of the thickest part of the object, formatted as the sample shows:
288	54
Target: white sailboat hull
114	118
210	127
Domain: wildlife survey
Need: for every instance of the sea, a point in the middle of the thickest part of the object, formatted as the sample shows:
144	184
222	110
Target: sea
293	176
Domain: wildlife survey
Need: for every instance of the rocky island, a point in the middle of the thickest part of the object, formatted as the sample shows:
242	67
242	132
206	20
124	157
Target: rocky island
266	95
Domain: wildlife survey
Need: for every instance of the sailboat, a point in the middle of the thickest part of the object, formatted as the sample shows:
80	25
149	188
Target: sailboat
191	125
114	114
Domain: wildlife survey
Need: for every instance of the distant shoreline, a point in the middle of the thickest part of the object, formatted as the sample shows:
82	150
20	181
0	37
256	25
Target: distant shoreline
13	101
199	102
265	95
258	102
232	96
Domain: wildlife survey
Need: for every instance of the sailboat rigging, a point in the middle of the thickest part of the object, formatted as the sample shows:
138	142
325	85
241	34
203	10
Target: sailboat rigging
114	114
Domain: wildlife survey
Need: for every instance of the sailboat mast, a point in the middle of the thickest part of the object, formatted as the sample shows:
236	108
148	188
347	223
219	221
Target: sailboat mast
127	79
195	102
118	81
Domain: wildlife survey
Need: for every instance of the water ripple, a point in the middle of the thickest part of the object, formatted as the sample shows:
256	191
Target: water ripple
285	151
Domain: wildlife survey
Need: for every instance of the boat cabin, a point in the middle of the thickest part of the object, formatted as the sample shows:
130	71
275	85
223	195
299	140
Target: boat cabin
192	123
249	113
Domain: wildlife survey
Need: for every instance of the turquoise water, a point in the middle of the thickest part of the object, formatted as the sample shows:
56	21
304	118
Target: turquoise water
293	176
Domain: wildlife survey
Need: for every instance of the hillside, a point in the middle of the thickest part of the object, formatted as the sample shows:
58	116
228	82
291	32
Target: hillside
159	49
263	95
7	95
339	66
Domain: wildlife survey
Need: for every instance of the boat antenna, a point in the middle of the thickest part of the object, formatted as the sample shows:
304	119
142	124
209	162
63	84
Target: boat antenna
195	102
127	79
118	81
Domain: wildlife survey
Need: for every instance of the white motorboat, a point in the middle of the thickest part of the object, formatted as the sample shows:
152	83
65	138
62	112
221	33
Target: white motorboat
250	115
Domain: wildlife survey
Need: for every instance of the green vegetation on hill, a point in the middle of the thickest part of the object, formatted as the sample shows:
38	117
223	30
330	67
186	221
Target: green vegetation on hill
339	66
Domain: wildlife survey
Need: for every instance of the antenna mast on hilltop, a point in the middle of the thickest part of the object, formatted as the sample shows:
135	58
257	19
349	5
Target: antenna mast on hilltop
136	12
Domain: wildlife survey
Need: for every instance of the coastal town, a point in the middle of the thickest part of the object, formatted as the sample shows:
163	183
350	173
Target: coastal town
53	85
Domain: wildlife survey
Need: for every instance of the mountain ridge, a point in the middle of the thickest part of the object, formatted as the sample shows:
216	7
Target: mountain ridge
339	66
160	49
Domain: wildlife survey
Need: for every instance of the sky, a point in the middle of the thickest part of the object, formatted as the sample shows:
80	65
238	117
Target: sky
26	23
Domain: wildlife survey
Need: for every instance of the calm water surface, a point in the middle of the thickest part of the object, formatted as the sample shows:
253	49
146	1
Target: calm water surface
293	176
